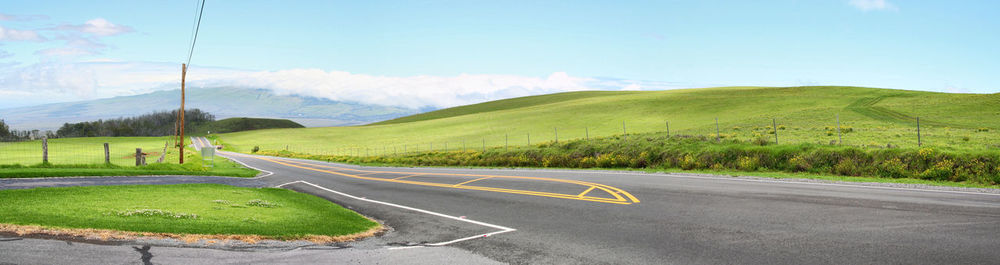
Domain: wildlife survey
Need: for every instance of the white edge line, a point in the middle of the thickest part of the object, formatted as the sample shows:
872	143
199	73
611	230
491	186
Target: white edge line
503	229
269	173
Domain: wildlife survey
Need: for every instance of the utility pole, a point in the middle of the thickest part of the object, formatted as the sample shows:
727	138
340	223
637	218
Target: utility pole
183	76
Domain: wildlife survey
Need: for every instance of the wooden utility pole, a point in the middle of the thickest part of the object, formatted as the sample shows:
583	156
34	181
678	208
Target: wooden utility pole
183	76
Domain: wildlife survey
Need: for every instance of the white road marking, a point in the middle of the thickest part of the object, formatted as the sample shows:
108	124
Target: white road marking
503	229
269	173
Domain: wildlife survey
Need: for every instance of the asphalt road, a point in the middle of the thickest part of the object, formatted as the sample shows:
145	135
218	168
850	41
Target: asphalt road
594	217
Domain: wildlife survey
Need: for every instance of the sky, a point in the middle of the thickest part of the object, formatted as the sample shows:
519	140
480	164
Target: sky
448	53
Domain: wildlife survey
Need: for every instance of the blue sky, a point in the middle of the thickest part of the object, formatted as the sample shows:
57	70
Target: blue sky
437	47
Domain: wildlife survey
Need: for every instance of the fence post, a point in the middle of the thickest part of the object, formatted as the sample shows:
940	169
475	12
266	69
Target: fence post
138	156
774	125
668	128
624	132
587	131
529	138
557	133
45	150
107	154
445	147
484	144
919	143
839	139
505	142
717	138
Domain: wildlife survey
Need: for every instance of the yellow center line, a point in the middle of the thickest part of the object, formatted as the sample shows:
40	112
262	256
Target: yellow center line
609	189
586	191
471	181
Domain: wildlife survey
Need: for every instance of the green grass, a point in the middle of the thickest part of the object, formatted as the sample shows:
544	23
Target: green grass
871	118
194	208
85	157
803	175
654	151
86	150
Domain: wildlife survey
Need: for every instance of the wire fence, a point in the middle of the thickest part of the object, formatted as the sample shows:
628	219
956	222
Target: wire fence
74	153
866	134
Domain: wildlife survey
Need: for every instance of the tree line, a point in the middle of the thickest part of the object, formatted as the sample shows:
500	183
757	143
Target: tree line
160	123
8	135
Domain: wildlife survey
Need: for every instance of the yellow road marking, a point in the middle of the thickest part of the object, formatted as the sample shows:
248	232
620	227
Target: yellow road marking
471	181
403	177
609	189
586	191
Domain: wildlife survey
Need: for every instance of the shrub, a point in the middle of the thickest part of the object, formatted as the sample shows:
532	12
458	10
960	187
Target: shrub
892	168
255	149
941	171
747	163
798	163
847	167
965	138
761	140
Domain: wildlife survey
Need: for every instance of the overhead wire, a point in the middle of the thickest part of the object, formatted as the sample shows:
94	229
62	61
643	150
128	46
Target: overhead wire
197	27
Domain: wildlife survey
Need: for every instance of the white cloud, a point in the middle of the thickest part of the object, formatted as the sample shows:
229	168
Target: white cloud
8	17
7	34
81	81
872	5
5	54
103	27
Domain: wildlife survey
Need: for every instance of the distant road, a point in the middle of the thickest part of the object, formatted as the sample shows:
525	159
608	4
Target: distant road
594	217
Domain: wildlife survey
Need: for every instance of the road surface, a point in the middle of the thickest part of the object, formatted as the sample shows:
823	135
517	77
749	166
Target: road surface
595	217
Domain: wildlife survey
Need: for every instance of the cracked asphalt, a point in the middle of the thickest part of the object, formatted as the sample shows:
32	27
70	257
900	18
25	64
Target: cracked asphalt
675	219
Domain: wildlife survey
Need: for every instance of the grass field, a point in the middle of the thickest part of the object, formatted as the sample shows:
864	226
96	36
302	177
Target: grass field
85	157
870	118
86	150
183	209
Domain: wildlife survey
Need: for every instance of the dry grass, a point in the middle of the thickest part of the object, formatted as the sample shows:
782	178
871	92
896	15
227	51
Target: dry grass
115	235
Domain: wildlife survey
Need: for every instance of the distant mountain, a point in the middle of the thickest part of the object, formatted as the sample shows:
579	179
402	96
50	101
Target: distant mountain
223	102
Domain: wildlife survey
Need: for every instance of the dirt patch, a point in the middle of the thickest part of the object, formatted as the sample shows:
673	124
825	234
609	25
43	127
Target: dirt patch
107	235
150	154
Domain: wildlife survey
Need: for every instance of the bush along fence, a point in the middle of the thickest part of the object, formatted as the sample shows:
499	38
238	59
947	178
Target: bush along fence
657	150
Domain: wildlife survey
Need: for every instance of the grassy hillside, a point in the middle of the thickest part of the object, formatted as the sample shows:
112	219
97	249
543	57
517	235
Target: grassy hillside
871	118
244	124
498	105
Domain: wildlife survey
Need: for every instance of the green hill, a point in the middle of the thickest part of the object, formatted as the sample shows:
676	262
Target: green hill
875	117
245	124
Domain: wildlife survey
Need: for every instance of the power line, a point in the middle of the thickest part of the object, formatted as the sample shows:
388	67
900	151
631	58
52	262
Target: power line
197	26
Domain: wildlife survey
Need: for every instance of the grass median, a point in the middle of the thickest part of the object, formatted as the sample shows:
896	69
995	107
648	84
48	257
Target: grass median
198	211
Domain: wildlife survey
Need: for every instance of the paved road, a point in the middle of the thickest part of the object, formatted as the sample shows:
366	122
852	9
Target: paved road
593	217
